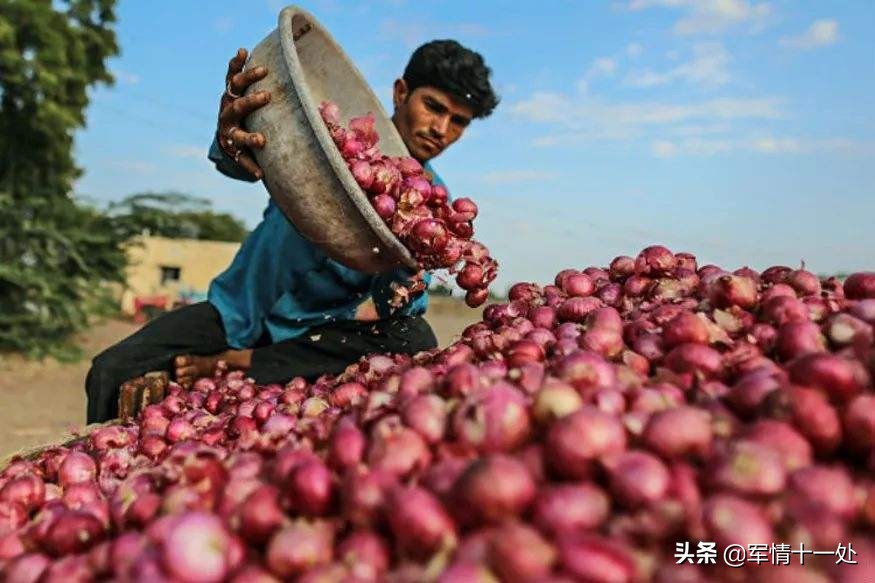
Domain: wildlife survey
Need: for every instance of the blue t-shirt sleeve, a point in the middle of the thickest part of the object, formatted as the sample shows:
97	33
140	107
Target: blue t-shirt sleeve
226	165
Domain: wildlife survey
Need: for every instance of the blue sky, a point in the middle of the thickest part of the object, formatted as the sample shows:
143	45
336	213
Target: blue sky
739	130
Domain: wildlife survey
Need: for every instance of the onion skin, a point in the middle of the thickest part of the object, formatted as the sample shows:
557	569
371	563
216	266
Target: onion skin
300	546
576	440
493	489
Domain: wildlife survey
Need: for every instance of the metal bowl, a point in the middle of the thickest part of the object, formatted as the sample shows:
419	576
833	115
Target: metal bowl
303	170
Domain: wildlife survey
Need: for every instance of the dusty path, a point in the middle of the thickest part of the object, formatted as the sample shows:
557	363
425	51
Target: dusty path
40	402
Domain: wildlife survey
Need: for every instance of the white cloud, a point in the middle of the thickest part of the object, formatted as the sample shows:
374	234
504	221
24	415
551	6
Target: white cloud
500	177
634	50
587	119
711	16
821	33
763	144
707	68
602	66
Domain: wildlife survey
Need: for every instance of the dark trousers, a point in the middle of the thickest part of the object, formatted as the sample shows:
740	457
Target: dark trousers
197	329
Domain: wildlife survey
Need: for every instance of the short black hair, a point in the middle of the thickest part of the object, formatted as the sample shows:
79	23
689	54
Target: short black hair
450	67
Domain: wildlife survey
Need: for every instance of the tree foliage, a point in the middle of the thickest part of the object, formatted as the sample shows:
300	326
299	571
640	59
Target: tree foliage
55	253
174	215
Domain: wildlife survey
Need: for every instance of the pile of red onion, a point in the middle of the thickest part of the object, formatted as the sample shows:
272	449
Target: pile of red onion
437	232
579	432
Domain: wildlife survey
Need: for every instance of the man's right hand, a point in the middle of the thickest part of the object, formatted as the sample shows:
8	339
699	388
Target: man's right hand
234	107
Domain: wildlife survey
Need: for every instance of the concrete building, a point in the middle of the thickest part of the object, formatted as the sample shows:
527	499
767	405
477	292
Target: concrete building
164	272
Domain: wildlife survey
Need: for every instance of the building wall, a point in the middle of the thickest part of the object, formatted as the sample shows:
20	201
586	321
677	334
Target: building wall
198	263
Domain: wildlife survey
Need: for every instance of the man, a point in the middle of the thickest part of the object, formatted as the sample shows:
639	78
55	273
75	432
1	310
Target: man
283	308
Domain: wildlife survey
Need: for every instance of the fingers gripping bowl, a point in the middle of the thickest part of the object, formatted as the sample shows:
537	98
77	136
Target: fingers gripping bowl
303	171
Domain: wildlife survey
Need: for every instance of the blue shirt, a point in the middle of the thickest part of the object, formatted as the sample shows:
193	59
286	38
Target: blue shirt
282	284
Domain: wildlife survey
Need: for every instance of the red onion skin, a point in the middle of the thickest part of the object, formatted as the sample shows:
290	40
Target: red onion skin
464	572
734	520
493	419
831	374
637	478
860	286
492	489
621	267
798	338
686	261
749	469
72	532
811	415
576	309
827	487
695	358
519	553
260	514
418	521
77	467
25	489
680	432
683	328
586	371
576	440
366	554
298	547
637	285
554	400
426	414
570	507
401	451
654	261
593	558
859	424
577	285
26	568
347	444
782	309
793	449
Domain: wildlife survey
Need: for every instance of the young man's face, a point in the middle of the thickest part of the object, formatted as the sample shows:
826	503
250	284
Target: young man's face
428	119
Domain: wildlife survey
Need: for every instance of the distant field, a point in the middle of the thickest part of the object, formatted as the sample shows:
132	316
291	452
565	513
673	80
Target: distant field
41	402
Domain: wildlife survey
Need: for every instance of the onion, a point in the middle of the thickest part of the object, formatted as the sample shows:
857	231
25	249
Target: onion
749	469
593	558
654	261
733	290
637	478
860	286
492	419
683	328
492	489
733	520
832	374
260	514
576	309
427	414
798	338
555	400
576	440
72	532
586	371
519	553
859	423
695	358
571	507
418	521
826	487
679	432
300	546
365	553
347	444
77	467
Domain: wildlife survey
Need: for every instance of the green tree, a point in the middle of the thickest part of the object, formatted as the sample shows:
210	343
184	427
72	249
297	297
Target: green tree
55	253
174	215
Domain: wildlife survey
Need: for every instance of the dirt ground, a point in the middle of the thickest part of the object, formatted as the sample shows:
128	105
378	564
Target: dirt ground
42	402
